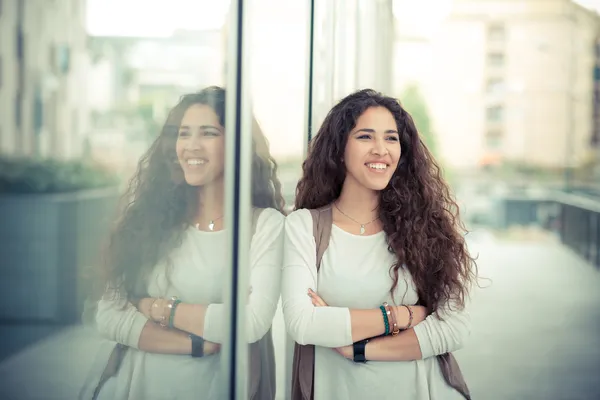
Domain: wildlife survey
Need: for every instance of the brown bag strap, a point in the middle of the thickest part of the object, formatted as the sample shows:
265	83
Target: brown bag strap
322	222
112	367
303	375
261	354
453	375
255	215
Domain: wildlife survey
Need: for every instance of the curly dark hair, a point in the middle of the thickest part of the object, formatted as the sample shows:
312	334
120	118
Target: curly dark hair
419	216
159	205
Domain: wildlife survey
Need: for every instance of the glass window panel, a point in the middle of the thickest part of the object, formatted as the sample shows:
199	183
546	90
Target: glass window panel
278	89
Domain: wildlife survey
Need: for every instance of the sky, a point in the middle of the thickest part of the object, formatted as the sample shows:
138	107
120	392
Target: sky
157	18
593	4
153	17
161	17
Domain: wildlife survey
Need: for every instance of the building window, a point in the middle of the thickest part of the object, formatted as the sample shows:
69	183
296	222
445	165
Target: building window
495	114
496	32
494	139
495	86
64	59
18	111
20	44
496	59
75	122
52	57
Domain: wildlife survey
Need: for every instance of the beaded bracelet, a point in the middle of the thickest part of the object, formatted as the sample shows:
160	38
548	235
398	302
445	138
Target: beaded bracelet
173	305
393	322
385	320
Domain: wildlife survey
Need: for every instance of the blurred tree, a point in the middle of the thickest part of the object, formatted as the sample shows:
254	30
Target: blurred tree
413	101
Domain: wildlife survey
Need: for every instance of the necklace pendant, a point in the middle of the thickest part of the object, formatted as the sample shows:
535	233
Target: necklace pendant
362	229
211	225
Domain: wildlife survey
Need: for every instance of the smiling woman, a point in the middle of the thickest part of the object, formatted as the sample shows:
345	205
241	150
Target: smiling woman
392	270
375	144
200	149
161	298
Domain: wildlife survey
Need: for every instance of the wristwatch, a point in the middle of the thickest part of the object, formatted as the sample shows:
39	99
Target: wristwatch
359	351
197	345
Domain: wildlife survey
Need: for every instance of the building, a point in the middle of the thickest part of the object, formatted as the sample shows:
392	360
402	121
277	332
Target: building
135	81
153	71
43	63
514	83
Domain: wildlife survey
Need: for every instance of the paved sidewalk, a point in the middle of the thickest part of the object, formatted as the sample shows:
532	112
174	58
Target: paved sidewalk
536	333
536	327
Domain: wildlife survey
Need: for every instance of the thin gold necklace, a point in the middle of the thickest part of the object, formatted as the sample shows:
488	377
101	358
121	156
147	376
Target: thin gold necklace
211	224
362	226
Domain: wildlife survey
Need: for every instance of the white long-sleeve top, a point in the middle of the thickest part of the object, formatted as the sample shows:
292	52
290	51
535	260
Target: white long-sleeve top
354	273
197	276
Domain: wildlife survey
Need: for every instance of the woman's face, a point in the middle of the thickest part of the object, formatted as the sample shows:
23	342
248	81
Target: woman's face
373	149
200	146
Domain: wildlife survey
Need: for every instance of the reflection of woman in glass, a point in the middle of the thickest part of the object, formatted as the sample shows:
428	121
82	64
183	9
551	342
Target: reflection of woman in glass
165	264
395	243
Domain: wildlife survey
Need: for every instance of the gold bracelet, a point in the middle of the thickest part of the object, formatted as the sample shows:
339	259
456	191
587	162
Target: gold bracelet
161	318
153	306
410	317
393	321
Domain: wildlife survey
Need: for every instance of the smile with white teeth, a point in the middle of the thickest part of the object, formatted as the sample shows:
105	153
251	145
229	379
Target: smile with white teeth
378	166
195	161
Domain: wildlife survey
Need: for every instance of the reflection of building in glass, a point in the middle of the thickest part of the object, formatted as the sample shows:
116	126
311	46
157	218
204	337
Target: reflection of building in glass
153	69
513	83
43	63
596	130
134	82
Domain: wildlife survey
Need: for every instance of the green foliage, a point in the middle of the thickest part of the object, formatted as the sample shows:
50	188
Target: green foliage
413	101
27	175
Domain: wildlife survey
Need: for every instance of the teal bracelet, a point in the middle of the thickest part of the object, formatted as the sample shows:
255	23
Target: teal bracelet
173	306
385	320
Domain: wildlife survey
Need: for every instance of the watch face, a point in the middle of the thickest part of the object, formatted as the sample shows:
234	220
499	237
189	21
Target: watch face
359	351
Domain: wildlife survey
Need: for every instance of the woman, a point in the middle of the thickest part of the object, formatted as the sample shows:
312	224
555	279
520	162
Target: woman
394	243
165	267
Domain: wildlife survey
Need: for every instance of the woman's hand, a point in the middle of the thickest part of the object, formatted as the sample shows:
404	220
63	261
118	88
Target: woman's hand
144	306
345	351
153	309
211	348
316	300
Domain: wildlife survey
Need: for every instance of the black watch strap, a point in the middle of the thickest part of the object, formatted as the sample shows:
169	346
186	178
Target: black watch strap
197	345
359	351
